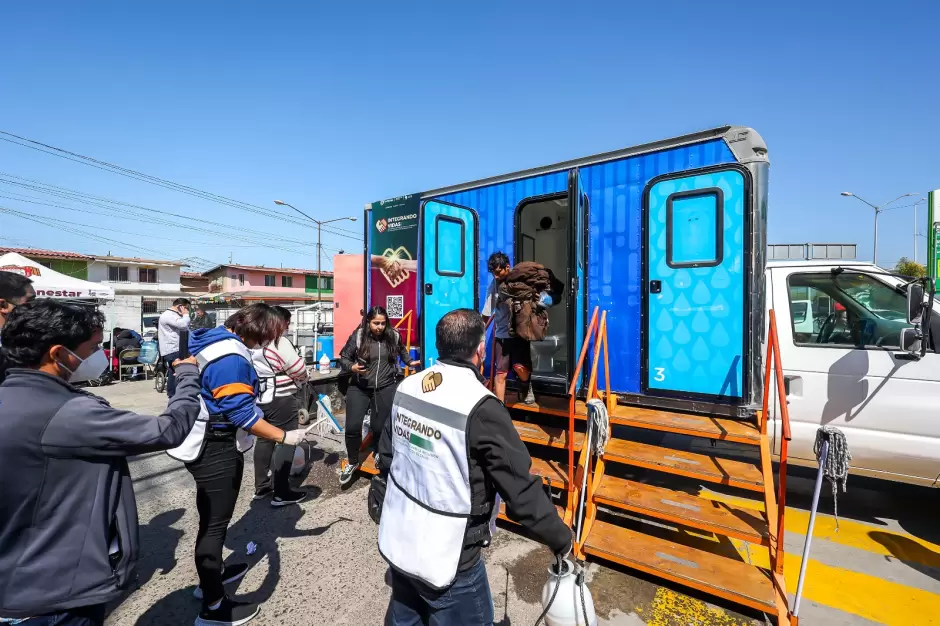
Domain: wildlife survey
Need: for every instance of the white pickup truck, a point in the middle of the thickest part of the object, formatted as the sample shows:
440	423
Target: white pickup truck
839	326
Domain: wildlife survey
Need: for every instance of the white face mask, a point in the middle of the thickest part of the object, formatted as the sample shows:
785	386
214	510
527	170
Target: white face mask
89	368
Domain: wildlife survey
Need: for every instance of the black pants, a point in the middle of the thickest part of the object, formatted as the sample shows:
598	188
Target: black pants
358	402
85	616
170	373
280	412
218	474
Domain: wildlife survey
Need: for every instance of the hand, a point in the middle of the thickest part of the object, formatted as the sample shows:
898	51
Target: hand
189	359
295	437
565	552
414	363
356	368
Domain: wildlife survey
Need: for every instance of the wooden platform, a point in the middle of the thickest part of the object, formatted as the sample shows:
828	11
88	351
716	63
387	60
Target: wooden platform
682	508
552	472
722	429
546	435
689	464
723	577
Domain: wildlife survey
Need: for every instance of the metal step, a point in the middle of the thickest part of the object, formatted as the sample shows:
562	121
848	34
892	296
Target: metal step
723	429
699	466
682	508
546	435
726	578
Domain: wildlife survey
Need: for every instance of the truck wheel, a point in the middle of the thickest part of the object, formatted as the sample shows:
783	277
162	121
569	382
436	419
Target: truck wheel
303	417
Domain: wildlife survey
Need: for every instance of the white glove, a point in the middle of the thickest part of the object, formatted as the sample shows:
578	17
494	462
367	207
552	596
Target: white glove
295	437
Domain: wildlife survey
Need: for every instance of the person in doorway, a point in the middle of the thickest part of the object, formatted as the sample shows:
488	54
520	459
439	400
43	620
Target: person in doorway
15	289
171	323
213	451
201	319
510	352
371	353
442	492
281	372
68	523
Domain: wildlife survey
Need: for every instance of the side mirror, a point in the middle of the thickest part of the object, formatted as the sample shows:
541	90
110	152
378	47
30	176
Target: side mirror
911	340
915	303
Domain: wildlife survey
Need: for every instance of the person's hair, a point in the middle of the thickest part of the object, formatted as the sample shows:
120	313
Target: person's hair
459	333
497	260
13	286
181	302
34	327
388	337
257	322
284	313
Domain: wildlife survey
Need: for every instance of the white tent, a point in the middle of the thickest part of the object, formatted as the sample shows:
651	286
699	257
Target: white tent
52	284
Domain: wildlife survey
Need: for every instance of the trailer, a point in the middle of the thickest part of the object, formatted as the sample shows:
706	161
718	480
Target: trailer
662	248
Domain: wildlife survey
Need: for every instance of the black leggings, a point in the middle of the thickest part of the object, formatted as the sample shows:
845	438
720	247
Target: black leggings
218	474
358	402
280	412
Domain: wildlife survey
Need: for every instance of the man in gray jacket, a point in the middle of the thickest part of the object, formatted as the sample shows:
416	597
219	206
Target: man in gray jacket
68	518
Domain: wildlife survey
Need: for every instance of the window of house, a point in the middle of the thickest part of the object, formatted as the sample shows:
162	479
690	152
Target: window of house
846	309
147	275
269	280
326	282
287	281
148	306
241	280
117	274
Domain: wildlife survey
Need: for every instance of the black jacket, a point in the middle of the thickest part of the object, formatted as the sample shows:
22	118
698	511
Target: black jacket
65	489
499	462
381	371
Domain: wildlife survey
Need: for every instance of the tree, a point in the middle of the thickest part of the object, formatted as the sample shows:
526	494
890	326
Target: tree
906	267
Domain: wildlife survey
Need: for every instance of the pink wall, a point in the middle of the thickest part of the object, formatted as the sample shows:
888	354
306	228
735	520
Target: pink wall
254	281
348	297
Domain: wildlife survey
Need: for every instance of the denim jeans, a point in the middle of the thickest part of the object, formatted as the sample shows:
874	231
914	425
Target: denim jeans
170	373
84	616
467	602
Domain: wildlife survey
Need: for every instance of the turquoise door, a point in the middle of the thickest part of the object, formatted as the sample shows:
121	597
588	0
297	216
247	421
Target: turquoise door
696	260
577	297
448	267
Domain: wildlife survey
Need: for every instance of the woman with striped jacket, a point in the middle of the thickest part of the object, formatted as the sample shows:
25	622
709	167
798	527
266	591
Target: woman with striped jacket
281	372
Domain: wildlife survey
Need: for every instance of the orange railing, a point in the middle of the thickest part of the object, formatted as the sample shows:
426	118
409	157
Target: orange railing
572	404
407	317
773	359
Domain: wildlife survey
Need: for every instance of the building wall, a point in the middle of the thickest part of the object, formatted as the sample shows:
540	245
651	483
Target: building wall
168	277
123	312
229	280
348	298
69	267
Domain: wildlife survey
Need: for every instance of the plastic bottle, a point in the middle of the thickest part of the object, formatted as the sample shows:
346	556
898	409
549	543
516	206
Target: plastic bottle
324	364
566	609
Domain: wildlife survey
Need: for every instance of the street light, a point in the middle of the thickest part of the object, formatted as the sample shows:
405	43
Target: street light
878	210
319	224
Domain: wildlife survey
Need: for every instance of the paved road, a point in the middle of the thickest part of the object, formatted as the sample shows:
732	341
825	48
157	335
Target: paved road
318	564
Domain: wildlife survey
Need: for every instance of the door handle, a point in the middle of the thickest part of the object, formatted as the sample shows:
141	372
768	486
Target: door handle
428	289
656	286
793	385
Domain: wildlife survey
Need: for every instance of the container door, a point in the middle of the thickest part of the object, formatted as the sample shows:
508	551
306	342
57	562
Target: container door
449	243
577	294
696	263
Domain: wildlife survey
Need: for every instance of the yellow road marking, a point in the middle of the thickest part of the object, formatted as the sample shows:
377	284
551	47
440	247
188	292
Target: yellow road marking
867	537
670	608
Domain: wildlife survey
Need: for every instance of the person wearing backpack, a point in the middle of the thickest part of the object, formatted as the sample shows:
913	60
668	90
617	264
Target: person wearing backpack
371	353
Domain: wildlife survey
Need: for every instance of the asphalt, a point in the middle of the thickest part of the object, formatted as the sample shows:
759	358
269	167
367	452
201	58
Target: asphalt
317	563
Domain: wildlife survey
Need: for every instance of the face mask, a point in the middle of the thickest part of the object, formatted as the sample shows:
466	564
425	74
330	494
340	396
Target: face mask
89	369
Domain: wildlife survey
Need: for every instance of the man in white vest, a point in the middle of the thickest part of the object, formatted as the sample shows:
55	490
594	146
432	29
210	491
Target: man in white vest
449	449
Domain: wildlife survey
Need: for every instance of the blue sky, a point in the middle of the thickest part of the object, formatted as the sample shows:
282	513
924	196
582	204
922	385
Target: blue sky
330	106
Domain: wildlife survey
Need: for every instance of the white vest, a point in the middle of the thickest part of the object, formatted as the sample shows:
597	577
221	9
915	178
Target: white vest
191	448
267	377
428	499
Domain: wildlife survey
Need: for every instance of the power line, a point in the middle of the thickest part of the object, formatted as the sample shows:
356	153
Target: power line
166	184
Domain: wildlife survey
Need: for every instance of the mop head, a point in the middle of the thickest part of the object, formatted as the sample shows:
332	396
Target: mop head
836	467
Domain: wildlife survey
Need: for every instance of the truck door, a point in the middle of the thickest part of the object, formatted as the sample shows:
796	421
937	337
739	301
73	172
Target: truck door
449	244
695	257
577	285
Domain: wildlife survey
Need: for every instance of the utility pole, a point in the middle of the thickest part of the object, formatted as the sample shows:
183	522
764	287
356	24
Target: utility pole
915	226
878	210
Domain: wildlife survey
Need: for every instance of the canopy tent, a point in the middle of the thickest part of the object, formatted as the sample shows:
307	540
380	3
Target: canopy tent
49	283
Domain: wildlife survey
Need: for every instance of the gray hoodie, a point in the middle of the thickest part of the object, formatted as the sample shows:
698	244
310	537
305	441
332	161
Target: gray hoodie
68	517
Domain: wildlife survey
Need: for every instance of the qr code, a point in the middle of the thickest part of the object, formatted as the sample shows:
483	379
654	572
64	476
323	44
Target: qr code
395	305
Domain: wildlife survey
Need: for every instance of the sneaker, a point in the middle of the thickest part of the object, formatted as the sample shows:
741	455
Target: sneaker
263	493
228	613
295	497
230	573
529	397
348	474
